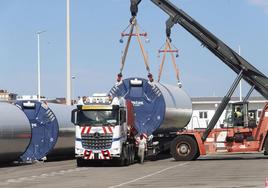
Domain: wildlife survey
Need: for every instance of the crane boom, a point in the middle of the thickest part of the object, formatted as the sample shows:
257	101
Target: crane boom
228	56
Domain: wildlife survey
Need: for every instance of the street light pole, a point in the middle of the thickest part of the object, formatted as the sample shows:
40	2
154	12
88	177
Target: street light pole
72	89
240	83
68	54
39	65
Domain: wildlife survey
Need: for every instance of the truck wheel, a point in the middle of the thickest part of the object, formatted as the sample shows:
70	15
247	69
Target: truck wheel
122	159
80	162
266	146
128	155
132	154
184	148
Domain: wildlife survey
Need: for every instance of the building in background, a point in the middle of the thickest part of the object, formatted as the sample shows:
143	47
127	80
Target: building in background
205	107
7	96
58	100
30	97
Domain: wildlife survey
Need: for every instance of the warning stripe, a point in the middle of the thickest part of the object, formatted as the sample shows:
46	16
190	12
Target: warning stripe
86	130
102	152
101	156
104	130
109	154
83	130
87	154
110	130
105	154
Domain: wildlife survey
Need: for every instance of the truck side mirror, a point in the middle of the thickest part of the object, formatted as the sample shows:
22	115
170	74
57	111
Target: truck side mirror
74	116
123	116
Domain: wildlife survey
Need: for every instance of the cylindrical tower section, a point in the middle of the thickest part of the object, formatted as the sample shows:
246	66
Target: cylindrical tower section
15	132
178	107
44	127
158	107
66	137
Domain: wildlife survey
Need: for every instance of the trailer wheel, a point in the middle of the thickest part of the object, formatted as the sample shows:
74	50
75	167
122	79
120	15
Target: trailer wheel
266	146
184	148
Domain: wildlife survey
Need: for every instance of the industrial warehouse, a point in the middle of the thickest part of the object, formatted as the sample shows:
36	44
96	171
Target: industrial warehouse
141	126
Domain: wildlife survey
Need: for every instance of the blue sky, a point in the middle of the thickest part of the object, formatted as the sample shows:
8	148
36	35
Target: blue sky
96	52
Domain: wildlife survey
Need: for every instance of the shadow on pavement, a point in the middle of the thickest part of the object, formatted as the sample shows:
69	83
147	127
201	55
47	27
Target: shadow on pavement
49	159
159	157
13	164
228	156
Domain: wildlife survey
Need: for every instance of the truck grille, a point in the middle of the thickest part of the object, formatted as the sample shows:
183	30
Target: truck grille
97	141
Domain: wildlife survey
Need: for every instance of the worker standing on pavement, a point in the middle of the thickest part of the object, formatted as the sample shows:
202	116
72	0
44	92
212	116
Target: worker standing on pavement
142	147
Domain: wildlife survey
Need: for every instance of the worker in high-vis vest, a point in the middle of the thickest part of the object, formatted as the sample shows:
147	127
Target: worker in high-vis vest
238	117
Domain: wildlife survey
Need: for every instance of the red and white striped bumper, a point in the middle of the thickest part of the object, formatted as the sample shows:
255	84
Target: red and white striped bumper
103	155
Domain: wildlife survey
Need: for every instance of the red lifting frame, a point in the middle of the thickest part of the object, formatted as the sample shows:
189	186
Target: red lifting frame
145	57
168	49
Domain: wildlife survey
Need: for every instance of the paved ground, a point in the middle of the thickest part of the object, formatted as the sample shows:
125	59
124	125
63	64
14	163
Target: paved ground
248	170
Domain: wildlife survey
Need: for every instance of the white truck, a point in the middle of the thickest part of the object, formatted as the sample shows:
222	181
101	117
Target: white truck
104	131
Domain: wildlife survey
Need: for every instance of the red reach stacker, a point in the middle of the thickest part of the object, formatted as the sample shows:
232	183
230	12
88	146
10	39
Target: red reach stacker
241	132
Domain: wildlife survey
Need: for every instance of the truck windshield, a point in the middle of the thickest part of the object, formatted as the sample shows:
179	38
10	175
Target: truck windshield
97	117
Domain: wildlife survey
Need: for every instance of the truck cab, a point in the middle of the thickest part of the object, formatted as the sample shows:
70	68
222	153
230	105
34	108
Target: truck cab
104	130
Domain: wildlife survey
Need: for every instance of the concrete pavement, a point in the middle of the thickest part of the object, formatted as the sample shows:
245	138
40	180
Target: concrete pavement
243	170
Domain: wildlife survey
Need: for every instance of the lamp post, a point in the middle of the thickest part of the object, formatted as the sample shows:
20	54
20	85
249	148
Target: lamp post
68	54
72	85
240	83
39	64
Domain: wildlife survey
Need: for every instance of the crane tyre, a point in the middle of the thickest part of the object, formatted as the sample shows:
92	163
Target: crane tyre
184	148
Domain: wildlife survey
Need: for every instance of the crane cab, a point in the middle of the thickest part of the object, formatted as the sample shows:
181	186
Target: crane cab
238	115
